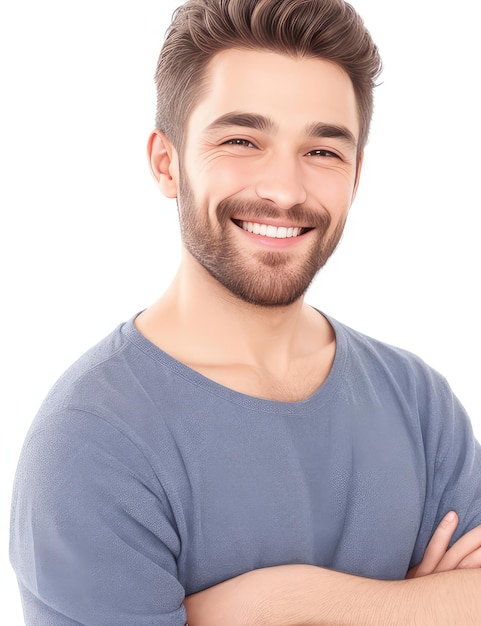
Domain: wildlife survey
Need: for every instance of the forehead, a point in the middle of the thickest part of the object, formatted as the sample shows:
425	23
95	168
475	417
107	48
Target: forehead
293	92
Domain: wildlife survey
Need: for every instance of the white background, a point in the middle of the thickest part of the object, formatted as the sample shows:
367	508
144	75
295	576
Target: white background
87	240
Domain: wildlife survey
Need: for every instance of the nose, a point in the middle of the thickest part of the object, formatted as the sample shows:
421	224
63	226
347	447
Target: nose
280	181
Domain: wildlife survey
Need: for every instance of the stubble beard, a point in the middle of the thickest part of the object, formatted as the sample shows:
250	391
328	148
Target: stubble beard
265	278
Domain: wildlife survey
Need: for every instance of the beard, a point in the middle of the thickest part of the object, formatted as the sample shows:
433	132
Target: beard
268	278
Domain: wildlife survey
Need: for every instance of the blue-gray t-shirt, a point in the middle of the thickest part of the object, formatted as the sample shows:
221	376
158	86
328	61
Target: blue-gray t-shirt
142	481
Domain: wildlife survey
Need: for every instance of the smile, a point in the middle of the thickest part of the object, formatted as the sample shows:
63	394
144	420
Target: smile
268	230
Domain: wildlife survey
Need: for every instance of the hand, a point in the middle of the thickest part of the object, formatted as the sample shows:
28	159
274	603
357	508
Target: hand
464	554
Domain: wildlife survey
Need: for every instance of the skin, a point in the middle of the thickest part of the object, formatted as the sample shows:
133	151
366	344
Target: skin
275	352
240	145
251	155
464	554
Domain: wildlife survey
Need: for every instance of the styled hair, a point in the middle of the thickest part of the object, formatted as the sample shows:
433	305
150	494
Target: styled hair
324	29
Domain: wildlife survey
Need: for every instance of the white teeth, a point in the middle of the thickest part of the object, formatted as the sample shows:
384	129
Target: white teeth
274	232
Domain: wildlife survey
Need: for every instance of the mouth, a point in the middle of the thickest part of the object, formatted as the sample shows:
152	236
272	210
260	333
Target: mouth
269	230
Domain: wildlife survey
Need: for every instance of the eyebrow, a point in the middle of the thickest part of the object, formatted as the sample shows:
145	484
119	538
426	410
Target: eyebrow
246	120
331	131
265	124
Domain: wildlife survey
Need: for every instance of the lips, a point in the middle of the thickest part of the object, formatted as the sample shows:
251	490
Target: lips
270	230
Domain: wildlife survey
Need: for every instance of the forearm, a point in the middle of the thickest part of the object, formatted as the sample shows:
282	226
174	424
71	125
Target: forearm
302	595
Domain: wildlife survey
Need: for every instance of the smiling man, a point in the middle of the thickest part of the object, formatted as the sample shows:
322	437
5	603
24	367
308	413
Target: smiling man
231	455
256	160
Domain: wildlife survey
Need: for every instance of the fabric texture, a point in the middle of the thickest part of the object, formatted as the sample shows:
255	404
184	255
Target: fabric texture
141	481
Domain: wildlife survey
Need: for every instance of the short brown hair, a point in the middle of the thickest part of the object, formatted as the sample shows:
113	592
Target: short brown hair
326	29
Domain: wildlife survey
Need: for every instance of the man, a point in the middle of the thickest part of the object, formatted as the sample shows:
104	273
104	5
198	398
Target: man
232	444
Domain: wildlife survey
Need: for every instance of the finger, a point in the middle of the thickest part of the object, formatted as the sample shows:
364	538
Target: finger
438	545
473	561
462	549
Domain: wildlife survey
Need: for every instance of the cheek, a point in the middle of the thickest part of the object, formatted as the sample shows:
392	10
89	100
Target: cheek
221	180
333	190
231	174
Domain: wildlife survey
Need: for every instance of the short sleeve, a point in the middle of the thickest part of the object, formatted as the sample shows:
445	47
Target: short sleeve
453	464
93	538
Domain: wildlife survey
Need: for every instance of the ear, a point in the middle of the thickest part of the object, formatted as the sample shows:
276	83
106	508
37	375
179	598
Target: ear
358	175
164	163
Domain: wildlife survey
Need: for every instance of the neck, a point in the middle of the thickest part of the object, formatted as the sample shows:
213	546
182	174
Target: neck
197	320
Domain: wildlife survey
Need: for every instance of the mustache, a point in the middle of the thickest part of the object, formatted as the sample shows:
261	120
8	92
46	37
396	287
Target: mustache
261	211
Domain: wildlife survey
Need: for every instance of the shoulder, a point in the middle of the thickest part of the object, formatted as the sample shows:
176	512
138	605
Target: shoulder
104	382
89	441
114	403
403	384
384	363
87	418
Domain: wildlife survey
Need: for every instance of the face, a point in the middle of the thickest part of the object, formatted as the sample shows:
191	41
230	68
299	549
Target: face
268	173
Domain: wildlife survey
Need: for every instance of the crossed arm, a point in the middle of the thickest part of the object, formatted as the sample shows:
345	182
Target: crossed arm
443	589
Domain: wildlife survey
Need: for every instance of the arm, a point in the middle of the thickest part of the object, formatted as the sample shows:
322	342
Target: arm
304	595
301	594
92	539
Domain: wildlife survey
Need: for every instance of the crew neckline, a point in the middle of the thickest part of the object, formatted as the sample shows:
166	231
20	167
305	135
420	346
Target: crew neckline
320	397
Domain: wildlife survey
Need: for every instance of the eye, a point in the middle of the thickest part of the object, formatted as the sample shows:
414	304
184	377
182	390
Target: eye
239	142
323	153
